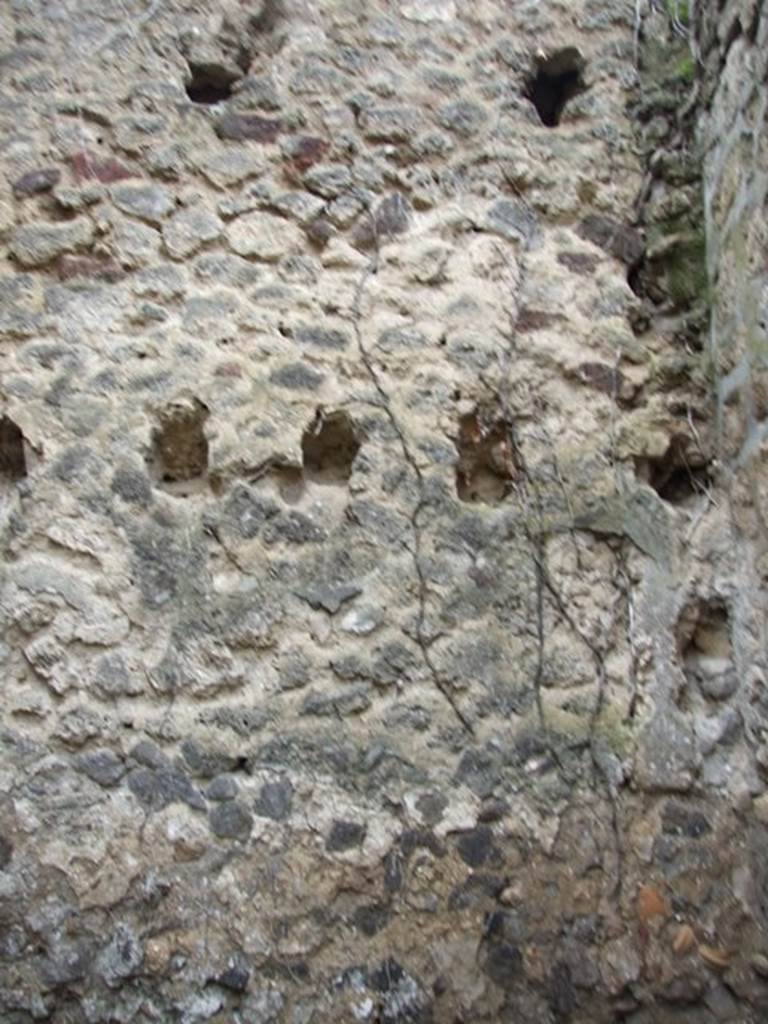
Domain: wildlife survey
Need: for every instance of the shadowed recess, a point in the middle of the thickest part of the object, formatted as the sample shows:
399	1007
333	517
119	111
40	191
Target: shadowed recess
13	465
179	447
209	84
679	474
486	464
705	648
329	448
556	80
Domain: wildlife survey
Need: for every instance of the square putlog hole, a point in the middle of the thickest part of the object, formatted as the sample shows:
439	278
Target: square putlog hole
179	458
555	81
329	448
487	461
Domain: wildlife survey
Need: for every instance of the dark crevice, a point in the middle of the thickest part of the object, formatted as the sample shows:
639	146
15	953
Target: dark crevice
734	32
209	84
179	456
13	463
704	649
487	464
754	24
329	448
635	279
679	474
556	80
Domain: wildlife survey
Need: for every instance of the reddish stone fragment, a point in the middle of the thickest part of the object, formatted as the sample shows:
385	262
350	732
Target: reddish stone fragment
306	151
605	378
651	903
229	370
102	268
88	166
536	320
252	127
36	181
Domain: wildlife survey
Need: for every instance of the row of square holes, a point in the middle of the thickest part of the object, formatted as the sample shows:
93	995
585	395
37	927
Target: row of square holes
556	80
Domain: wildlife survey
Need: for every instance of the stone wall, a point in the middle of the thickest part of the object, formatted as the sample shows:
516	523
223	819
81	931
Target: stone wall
733	40
382	640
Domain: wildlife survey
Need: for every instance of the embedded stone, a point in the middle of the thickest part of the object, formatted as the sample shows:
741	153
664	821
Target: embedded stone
512	219
391	217
107	170
504	964
305	151
147	202
230	820
262	236
345	835
190	229
328	180
301	206
157	789
390	124
275	800
34	182
666	753
165	281
235	976
463	118
296	377
227	269
320	337
328	596
78	725
621	241
251	127
349	701
231	166
293	528
259	91
36	244
97	268
121	958
132	486
102	766
476	847
223	787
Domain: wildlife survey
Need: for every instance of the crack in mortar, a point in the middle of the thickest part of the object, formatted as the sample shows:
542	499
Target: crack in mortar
414	517
537	541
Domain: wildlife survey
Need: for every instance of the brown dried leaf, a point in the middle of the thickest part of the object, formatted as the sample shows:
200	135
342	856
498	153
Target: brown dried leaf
714	957
684	940
650	903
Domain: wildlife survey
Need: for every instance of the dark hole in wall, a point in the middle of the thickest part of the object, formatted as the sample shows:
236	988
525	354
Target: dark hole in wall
635	280
209	84
329	448
13	464
179	454
704	629
705	649
487	462
679	474
556	80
